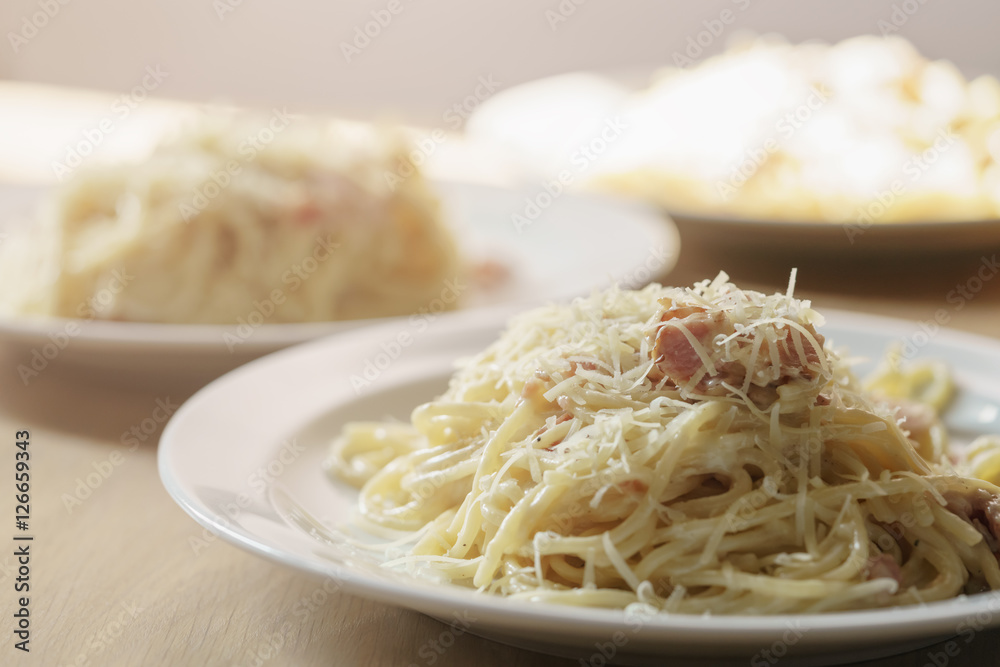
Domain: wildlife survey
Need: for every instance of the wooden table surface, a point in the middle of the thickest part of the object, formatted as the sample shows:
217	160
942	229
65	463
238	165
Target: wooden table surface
120	575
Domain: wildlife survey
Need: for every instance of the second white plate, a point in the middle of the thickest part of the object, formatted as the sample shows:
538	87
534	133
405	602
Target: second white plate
553	247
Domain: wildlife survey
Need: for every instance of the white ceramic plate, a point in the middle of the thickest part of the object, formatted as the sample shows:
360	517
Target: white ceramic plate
243	457
572	245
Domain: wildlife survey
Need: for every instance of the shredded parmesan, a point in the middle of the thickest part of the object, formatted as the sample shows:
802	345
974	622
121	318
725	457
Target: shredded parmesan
696	450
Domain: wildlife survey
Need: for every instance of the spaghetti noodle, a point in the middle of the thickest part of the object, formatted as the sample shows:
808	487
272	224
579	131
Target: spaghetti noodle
691	450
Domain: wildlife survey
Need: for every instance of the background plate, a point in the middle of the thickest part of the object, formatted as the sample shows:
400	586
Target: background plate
534	128
834	240
566	246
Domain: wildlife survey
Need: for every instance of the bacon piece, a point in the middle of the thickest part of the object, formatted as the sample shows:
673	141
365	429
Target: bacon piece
896	532
792	363
635	486
677	359
585	365
490	274
884	566
534	392
918	419
980	508
308	213
676	356
533	389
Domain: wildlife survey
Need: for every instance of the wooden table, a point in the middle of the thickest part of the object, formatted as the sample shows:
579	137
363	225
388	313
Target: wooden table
120	575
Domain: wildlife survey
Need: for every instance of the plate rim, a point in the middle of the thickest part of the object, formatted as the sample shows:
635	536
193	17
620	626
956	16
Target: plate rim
827	225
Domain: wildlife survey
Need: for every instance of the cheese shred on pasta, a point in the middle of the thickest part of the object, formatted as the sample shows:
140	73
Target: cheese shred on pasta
689	450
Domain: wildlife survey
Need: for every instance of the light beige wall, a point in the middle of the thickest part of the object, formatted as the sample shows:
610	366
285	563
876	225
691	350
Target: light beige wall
432	52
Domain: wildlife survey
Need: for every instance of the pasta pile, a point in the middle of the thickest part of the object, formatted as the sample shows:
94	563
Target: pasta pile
865	131
241	217
694	450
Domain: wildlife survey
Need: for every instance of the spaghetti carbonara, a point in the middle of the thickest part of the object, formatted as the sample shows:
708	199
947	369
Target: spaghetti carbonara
864	131
295	219
687	449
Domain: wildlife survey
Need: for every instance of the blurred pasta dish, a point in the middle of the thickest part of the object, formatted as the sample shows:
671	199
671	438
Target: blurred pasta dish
305	216
866	131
